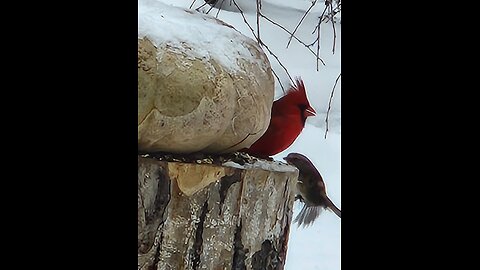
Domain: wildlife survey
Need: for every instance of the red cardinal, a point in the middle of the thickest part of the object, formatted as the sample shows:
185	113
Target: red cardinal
289	114
312	190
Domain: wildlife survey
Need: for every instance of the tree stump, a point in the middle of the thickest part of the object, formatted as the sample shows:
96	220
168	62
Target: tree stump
205	216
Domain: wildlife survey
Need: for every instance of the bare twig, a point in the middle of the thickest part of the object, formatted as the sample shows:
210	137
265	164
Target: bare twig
278	80
333	25
334	37
317	28
279	62
264	45
328	14
218	11
192	3
331	16
301	20
211	3
258	19
318	36
210	8
333	11
299	41
201	6
245	19
330	104
325	17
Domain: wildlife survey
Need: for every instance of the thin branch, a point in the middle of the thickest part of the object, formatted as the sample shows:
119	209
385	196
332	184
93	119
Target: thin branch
258	19
210	8
318	25
220	8
331	16
192	4
318	38
301	20
278	60
201	6
297	39
330	104
211	3
256	34
318	33
245	19
334	11
263	45
333	25
279	81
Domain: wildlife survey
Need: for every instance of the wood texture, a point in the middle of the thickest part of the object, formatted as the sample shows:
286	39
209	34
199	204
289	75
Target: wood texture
204	216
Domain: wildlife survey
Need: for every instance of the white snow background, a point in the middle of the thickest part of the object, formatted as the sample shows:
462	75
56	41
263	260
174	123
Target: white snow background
317	246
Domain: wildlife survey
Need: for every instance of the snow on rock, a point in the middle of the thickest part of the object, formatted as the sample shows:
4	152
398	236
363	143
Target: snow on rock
162	23
246	6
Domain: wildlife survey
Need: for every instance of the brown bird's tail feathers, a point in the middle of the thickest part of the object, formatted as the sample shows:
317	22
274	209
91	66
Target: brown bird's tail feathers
334	208
308	214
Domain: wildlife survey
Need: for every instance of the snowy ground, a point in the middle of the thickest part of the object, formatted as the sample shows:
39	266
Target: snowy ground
318	246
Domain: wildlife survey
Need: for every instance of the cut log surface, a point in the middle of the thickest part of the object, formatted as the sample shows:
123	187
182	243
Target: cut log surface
206	216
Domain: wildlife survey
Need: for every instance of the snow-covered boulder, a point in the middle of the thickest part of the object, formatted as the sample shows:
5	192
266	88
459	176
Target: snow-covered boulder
202	85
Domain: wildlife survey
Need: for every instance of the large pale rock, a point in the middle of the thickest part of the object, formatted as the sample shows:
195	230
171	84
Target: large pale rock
212	92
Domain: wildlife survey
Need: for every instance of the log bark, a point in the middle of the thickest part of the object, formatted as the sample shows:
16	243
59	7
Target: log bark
205	216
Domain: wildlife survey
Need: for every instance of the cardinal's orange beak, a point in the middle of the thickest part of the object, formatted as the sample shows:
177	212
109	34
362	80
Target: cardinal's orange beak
310	112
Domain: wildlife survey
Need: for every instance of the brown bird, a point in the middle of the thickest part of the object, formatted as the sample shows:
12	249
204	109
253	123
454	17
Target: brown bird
312	190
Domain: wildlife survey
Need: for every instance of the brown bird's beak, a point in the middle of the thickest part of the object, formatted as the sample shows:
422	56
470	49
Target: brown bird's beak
310	111
286	159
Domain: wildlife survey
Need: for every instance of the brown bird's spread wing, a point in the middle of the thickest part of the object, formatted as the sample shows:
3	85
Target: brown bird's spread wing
307	215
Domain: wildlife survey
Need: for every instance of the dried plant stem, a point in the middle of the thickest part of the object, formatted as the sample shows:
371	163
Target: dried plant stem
328	13
191	5
301	20
317	28
330	104
278	80
318	40
201	6
297	39
279	62
333	25
265	46
258	19
218	10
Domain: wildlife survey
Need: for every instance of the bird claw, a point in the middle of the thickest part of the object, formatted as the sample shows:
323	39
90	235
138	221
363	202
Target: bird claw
299	197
